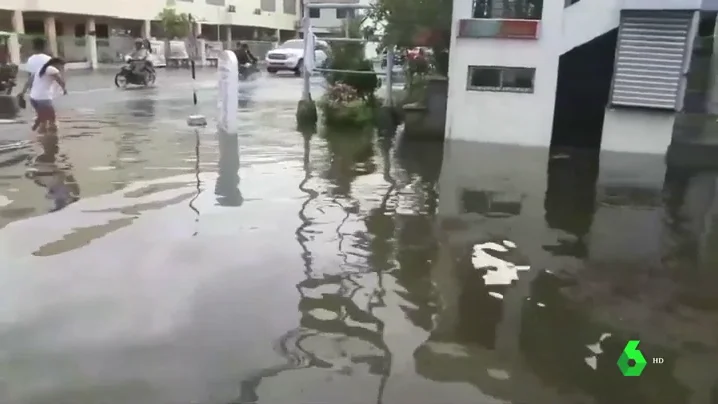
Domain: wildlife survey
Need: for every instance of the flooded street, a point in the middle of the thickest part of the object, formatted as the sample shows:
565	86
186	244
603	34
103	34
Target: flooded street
144	262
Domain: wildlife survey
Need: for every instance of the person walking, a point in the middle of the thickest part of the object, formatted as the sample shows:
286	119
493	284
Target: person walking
34	63
41	94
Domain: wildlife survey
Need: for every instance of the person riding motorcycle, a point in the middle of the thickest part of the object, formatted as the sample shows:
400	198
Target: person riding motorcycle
244	55
139	59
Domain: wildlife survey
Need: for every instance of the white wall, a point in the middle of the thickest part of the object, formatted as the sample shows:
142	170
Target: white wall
522	119
328	17
588	19
637	131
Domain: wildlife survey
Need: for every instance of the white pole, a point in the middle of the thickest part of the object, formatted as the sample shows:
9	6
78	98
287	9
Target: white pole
306	95
228	88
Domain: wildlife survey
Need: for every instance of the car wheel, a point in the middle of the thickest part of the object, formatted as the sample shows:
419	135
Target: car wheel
272	71
299	68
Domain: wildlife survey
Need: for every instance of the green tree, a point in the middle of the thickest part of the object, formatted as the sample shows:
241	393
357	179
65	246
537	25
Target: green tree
174	24
407	23
351	56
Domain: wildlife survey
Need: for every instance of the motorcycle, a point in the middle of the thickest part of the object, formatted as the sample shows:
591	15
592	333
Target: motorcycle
129	73
247	71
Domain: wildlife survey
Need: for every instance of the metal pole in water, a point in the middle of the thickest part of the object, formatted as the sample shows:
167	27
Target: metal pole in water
192	47
306	95
389	75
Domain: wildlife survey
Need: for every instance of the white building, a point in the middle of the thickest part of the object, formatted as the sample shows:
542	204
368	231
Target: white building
507	59
327	21
69	25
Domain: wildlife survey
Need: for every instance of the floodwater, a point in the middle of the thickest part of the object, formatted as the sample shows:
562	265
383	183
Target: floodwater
143	262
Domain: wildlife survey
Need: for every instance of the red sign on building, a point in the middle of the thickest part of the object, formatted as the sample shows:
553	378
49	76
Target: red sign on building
519	29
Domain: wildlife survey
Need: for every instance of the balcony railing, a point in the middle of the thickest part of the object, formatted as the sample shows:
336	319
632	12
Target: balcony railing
508	9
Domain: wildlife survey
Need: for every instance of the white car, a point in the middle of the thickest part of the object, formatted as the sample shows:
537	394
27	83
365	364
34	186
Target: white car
289	56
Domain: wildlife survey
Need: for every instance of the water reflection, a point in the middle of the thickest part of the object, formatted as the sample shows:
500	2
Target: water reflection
227	187
198	181
691	238
338	308
142	107
52	171
411	267
570	201
350	155
288	346
467	272
537	330
338	330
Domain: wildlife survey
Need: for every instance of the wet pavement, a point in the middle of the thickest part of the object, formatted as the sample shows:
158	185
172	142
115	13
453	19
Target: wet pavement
144	262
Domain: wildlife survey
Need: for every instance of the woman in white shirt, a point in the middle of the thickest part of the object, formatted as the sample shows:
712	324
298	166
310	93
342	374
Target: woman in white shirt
41	93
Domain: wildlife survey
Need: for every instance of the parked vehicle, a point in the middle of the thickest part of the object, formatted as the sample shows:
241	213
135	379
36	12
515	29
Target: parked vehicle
419	52
137	72
8	70
289	56
157	54
399	59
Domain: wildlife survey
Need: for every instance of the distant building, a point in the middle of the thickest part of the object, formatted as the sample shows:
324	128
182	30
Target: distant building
329	21
69	25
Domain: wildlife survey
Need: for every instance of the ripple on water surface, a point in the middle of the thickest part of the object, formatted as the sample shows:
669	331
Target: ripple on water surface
279	267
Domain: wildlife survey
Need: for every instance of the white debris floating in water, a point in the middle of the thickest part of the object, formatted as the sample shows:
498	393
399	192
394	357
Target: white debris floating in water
4	201
499	272
592	361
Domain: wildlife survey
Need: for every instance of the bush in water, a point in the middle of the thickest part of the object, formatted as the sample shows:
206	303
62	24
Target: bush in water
341	105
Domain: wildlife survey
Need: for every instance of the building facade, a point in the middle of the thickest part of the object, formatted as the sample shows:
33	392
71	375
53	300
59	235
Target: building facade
548	72
89	32
329	21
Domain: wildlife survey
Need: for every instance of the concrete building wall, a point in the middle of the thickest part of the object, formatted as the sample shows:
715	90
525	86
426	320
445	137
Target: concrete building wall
329	20
72	27
527	118
516	118
147	10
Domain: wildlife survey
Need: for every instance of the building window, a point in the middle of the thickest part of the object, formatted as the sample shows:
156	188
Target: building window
290	7
508	9
80	31
496	78
345	13
313	13
102	31
268	5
